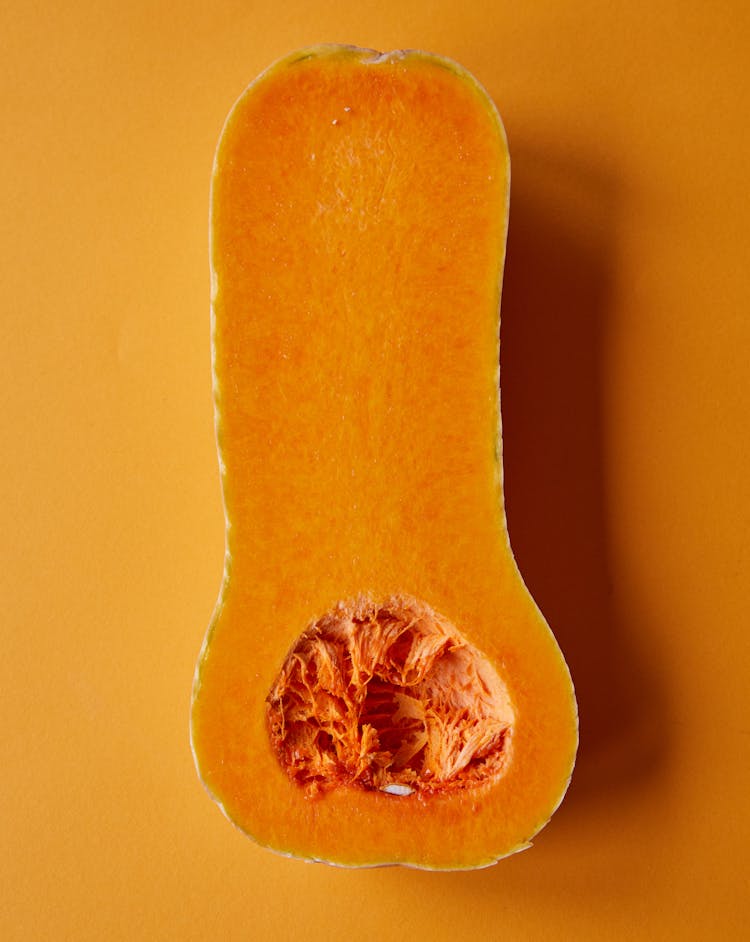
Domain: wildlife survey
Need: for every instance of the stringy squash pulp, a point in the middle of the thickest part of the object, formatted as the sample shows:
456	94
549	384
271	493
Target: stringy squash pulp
391	697
377	684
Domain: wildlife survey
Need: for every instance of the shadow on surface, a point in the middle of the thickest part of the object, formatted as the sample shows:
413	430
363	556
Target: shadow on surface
556	315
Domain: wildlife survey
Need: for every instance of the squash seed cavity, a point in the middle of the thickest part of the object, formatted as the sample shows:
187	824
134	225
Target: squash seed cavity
391	697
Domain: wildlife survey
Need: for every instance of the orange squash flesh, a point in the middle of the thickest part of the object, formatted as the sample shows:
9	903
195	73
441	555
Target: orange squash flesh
358	222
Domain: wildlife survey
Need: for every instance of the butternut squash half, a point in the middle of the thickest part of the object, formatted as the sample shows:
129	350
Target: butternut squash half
376	685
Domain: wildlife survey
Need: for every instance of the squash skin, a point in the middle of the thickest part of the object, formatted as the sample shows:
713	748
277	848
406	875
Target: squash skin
283	586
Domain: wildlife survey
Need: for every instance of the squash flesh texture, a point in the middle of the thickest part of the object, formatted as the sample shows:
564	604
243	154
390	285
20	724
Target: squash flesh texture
359	210
359	253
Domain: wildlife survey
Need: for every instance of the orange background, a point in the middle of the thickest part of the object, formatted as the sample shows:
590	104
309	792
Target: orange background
625	381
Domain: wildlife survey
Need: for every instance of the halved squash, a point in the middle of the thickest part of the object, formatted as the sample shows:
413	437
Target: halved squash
377	684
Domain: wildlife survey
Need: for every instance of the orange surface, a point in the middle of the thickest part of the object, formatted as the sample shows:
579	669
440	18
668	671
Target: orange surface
625	403
359	212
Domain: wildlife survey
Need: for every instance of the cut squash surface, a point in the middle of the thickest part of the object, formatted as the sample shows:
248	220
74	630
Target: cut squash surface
377	685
